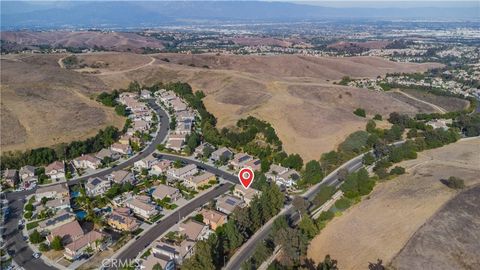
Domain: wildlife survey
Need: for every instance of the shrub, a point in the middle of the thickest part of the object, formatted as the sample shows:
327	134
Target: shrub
327	215
397	170
378	117
454	182
360	112
342	204
43	247
28	215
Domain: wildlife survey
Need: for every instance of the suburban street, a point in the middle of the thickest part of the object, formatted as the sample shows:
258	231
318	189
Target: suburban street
247	249
22	252
141	243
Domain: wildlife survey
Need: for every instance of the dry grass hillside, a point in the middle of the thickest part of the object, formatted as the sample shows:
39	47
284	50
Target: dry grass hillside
383	224
87	39
449	240
43	105
294	93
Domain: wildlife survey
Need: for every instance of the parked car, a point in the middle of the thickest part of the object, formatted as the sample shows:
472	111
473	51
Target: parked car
37	255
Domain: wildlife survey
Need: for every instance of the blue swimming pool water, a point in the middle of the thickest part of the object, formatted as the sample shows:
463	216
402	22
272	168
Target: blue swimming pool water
81	214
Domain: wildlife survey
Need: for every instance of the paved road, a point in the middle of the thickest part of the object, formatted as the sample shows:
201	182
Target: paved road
141	243
23	254
247	249
220	173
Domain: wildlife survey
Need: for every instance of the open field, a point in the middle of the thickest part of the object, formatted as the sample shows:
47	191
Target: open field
382	225
449	240
294	93
43	105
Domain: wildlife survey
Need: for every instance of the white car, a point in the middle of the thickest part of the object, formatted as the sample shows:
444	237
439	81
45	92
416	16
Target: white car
36	255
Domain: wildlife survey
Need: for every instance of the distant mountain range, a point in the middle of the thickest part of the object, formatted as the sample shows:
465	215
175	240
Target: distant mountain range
124	14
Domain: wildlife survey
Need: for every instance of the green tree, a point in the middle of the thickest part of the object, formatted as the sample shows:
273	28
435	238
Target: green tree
29	207
377	117
327	264
43	247
157	266
368	159
454	183
308	227
313	172
56	243
35	237
293	161
360	112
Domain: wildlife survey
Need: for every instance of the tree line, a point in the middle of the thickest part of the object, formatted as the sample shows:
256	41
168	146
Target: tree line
241	225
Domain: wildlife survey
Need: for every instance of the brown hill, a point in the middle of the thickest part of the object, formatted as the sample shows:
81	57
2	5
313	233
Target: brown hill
111	40
43	105
294	93
382	224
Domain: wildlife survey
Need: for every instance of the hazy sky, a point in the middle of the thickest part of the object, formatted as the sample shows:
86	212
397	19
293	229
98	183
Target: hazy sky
389	3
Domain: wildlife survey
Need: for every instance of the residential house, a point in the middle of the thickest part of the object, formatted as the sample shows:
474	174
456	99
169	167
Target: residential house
178	105
122	220
68	232
140	125
221	154
60	218
55	170
239	160
183	128
185	116
145	94
164	261
213	218
27	175
58	203
194	230
121	176
86	162
96	186
254	164
26	172
282	176
145	163
198	181
247	194
58	191
176	141
162	191
104	153
93	239
227	204
142	208
175	144
175	249
201	149
126	139
123	149
10	176
160	167
183	172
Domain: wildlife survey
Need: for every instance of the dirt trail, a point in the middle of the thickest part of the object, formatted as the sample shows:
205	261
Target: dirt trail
438	108
103	73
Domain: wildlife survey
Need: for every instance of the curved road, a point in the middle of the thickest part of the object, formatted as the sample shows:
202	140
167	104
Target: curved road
14	238
247	249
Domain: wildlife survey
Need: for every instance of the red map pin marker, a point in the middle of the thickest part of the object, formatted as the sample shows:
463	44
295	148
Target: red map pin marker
246	177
